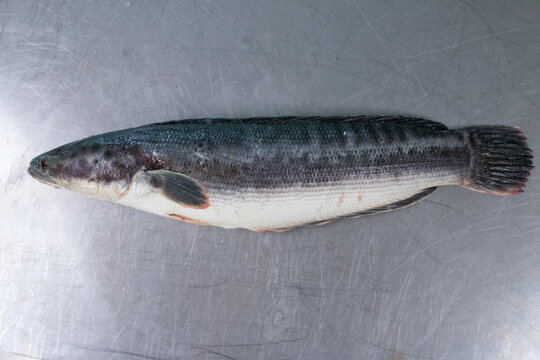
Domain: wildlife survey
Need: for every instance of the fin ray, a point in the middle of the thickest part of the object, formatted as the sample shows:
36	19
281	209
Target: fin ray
501	160
179	188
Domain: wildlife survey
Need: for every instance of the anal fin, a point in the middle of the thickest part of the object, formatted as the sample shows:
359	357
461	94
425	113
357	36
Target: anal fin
394	206
388	207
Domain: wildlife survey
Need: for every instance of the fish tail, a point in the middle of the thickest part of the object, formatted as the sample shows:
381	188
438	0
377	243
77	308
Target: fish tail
500	160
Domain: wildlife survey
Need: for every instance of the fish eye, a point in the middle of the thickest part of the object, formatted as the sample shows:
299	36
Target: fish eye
43	164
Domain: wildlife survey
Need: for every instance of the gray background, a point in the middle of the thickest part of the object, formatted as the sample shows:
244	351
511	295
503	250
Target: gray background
455	277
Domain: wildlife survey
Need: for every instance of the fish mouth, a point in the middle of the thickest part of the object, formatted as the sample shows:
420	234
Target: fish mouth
40	176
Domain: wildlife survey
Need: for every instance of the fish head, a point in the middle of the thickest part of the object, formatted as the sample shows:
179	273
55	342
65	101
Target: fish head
93	167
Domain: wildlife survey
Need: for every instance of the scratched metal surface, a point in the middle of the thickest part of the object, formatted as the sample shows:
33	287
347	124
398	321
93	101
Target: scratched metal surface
454	277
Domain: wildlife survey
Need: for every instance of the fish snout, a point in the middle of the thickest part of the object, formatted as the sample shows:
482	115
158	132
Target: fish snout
37	170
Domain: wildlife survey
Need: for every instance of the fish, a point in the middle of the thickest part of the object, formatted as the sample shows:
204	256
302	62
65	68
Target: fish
272	174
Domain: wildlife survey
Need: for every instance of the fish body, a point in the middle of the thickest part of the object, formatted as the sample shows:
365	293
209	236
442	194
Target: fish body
273	174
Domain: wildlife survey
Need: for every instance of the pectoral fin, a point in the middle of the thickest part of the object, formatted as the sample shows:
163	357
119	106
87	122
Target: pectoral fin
179	188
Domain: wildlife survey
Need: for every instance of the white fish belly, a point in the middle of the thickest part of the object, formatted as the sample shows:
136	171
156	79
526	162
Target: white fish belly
276	209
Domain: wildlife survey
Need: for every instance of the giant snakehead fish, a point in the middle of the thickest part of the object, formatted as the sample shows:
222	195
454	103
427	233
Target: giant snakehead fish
274	174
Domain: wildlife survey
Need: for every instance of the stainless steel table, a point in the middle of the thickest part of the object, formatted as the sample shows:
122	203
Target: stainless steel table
454	277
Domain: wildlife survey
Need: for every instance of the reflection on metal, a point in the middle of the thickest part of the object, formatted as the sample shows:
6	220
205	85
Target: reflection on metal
455	277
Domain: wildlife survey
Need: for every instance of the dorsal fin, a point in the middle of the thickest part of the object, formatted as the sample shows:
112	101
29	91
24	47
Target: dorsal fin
398	120
410	121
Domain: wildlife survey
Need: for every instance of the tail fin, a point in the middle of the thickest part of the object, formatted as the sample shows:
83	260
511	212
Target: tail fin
501	161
